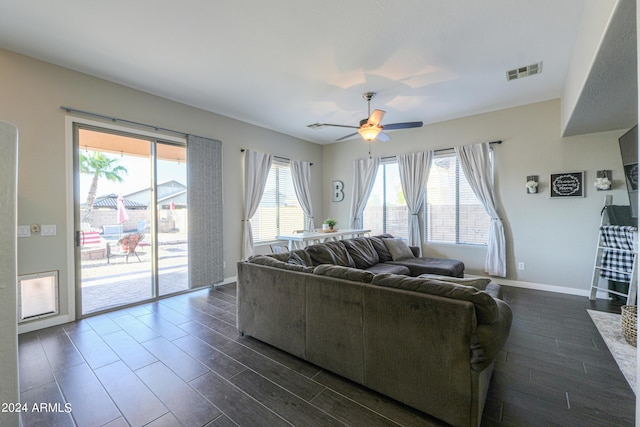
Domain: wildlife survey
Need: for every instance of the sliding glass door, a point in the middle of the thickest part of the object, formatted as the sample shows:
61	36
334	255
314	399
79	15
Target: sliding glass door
131	218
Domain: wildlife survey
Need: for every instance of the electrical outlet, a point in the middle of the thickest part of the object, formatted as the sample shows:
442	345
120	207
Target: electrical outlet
521	266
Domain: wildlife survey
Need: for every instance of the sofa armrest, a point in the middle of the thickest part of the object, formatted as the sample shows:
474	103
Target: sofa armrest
488	339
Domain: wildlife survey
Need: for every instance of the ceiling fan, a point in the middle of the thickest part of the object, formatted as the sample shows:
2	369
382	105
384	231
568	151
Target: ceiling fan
370	128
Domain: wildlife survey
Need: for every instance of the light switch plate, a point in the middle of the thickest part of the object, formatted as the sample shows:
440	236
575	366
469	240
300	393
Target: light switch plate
24	231
48	230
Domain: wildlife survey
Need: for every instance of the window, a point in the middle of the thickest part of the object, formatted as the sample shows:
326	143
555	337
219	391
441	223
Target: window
453	214
386	210
279	211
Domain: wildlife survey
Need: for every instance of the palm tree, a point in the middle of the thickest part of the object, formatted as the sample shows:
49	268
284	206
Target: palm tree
99	166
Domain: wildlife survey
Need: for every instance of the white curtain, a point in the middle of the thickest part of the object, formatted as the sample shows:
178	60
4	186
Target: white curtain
301	174
256	171
414	171
364	175
476	165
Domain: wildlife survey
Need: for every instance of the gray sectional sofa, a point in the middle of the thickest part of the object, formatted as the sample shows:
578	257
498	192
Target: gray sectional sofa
429	341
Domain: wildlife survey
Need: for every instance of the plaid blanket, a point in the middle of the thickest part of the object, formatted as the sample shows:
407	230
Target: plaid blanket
617	259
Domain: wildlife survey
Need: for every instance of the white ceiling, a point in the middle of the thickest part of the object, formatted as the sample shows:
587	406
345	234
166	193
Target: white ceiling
284	64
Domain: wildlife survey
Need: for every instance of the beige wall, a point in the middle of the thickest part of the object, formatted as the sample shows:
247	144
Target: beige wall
32	93
555	239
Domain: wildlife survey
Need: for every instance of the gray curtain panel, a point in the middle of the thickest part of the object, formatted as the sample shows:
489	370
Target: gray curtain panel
204	176
475	161
414	171
301	174
364	176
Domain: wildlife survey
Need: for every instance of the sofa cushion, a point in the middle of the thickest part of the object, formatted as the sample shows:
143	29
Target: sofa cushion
346	273
398	249
380	247
477	282
486	306
330	253
300	257
386	267
427	265
273	262
362	251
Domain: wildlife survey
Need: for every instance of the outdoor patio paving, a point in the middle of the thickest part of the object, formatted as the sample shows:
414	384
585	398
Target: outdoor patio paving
110	284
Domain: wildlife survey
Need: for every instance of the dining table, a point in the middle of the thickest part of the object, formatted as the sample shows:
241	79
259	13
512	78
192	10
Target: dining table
297	240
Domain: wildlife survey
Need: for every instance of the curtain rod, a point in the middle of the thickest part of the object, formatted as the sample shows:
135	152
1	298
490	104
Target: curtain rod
242	150
130	122
440	150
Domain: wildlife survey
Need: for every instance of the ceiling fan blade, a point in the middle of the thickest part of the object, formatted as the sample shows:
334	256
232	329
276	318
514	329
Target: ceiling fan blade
346	137
407	125
383	137
340	126
376	117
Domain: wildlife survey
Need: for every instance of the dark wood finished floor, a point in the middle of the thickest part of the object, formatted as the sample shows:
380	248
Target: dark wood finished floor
180	361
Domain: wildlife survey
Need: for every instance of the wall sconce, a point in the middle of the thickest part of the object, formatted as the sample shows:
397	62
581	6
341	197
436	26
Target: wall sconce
532	184
603	180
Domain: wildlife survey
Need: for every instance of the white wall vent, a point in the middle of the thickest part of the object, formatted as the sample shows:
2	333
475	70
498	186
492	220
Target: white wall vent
526	71
37	296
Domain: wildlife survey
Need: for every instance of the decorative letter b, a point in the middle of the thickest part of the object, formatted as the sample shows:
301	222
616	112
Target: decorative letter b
338	194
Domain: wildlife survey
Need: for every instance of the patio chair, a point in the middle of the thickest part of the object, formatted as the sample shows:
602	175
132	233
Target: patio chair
128	245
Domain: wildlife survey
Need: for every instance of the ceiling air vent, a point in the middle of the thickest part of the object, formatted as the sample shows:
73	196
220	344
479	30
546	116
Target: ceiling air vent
526	71
316	126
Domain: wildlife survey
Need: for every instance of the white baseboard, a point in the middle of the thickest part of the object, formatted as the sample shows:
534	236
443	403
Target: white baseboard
227	280
44	323
550	288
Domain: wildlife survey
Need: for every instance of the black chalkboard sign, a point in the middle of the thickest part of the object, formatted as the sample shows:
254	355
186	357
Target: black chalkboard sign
566	184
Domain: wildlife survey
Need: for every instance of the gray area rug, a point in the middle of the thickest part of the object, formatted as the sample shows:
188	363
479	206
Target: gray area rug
609	326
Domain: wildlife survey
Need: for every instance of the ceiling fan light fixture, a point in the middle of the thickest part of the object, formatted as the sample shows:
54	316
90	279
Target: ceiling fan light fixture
369	132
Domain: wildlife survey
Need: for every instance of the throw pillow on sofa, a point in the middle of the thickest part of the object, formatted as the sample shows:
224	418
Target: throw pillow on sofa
362	251
398	249
380	247
330	253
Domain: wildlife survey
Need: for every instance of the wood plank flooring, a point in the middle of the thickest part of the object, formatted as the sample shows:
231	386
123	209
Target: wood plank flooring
180	361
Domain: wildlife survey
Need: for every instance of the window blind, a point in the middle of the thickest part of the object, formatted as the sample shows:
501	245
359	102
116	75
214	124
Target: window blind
279	211
453	214
386	210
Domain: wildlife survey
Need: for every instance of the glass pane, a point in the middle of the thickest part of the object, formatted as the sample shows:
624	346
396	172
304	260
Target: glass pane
386	210
453	214
115	206
173	215
279	211
373	215
441	200
397	214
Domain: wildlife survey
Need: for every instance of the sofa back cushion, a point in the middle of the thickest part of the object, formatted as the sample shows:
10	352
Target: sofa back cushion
273	262
485	305
380	247
362	251
346	273
330	253
398	249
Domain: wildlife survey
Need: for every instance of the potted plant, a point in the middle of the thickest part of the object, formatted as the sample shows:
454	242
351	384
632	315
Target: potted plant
330	222
532	186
